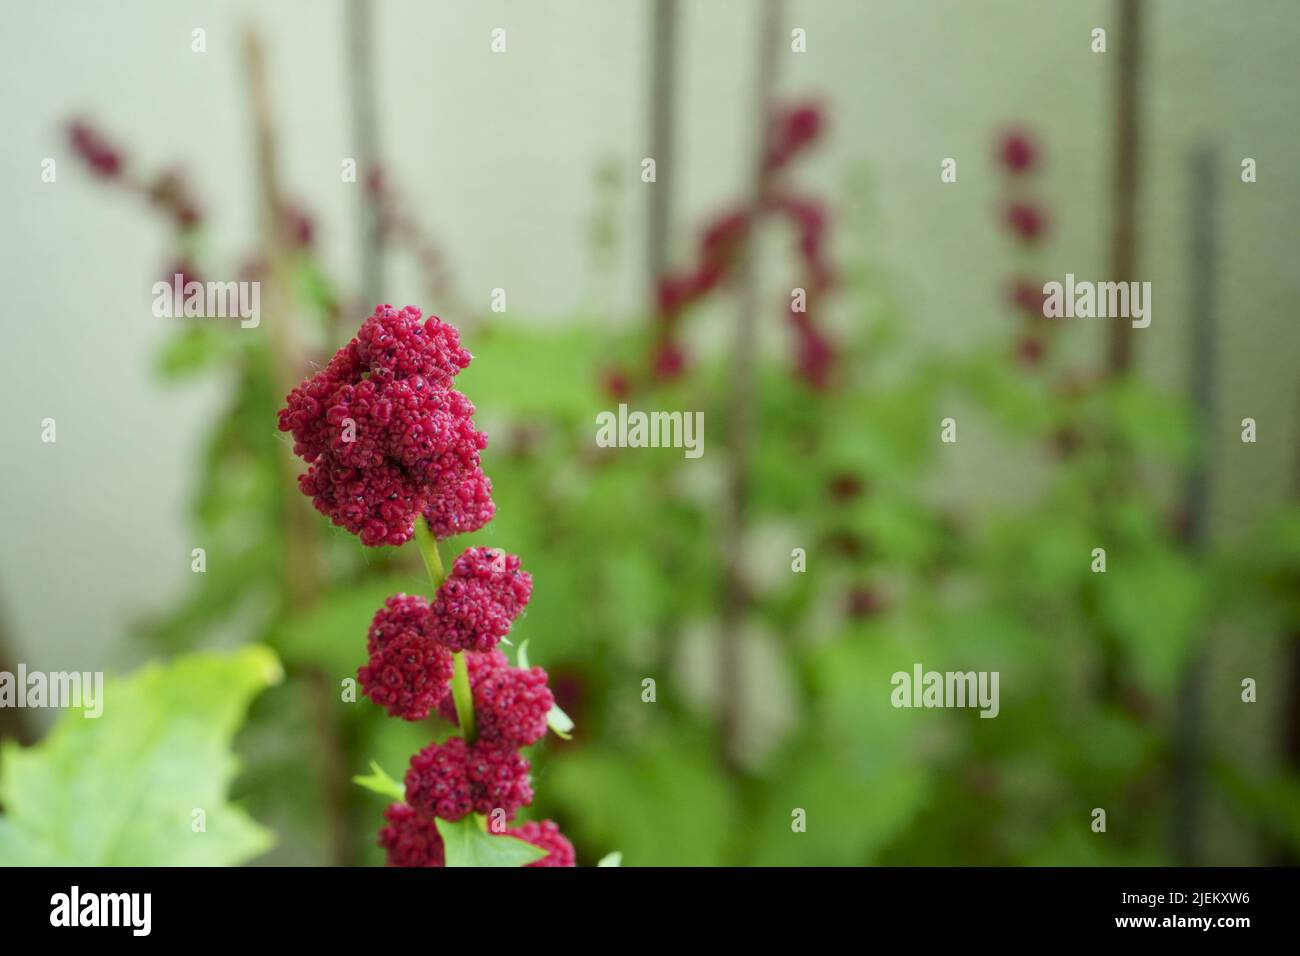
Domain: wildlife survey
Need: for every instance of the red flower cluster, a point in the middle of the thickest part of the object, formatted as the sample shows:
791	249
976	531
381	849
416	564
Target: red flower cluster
510	704
170	192
453	778
411	642
386	435
1018	151
410	839
95	149
792	129
1025	219
473	608
408	673
482	596
547	836
389	442
413	840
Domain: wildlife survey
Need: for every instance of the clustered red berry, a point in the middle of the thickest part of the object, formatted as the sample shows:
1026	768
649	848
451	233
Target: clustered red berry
411	641
545	834
453	778
411	839
408	673
1025	219
407	676
723	241
1018	151
510	704
389	442
459	510
791	130
93	147
401	614
482	596
386	436
170	192
474	607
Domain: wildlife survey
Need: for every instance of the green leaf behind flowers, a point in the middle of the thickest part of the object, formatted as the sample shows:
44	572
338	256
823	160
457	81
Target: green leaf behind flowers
129	787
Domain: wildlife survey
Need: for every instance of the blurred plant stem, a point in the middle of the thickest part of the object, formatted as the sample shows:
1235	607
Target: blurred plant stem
365	137
301	574
662	68
662	103
740	417
1123	260
1123	240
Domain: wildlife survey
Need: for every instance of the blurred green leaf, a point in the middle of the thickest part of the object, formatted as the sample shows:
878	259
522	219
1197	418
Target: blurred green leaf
1153	423
552	372
124	789
665	803
194	350
1156	603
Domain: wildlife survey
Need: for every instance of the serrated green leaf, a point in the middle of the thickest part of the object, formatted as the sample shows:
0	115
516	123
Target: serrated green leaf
468	844
124	789
378	781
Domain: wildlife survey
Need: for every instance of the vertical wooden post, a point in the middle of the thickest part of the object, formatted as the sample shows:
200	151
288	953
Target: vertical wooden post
1123	242
662	69
740	404
300	569
1203	271
365	137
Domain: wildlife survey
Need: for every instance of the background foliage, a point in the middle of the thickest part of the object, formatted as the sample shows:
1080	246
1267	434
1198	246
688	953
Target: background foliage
972	556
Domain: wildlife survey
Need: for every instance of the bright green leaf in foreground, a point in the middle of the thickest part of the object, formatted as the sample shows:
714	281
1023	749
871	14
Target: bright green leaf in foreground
468	844
144	784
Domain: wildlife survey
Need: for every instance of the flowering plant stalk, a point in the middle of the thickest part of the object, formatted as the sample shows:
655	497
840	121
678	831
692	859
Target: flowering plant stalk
792	130
393	454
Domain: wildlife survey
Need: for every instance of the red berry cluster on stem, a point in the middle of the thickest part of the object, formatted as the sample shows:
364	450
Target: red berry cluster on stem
386	435
389	442
510	703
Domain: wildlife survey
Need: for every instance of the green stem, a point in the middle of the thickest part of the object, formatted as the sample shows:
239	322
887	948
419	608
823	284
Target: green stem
428	546
463	696
461	692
